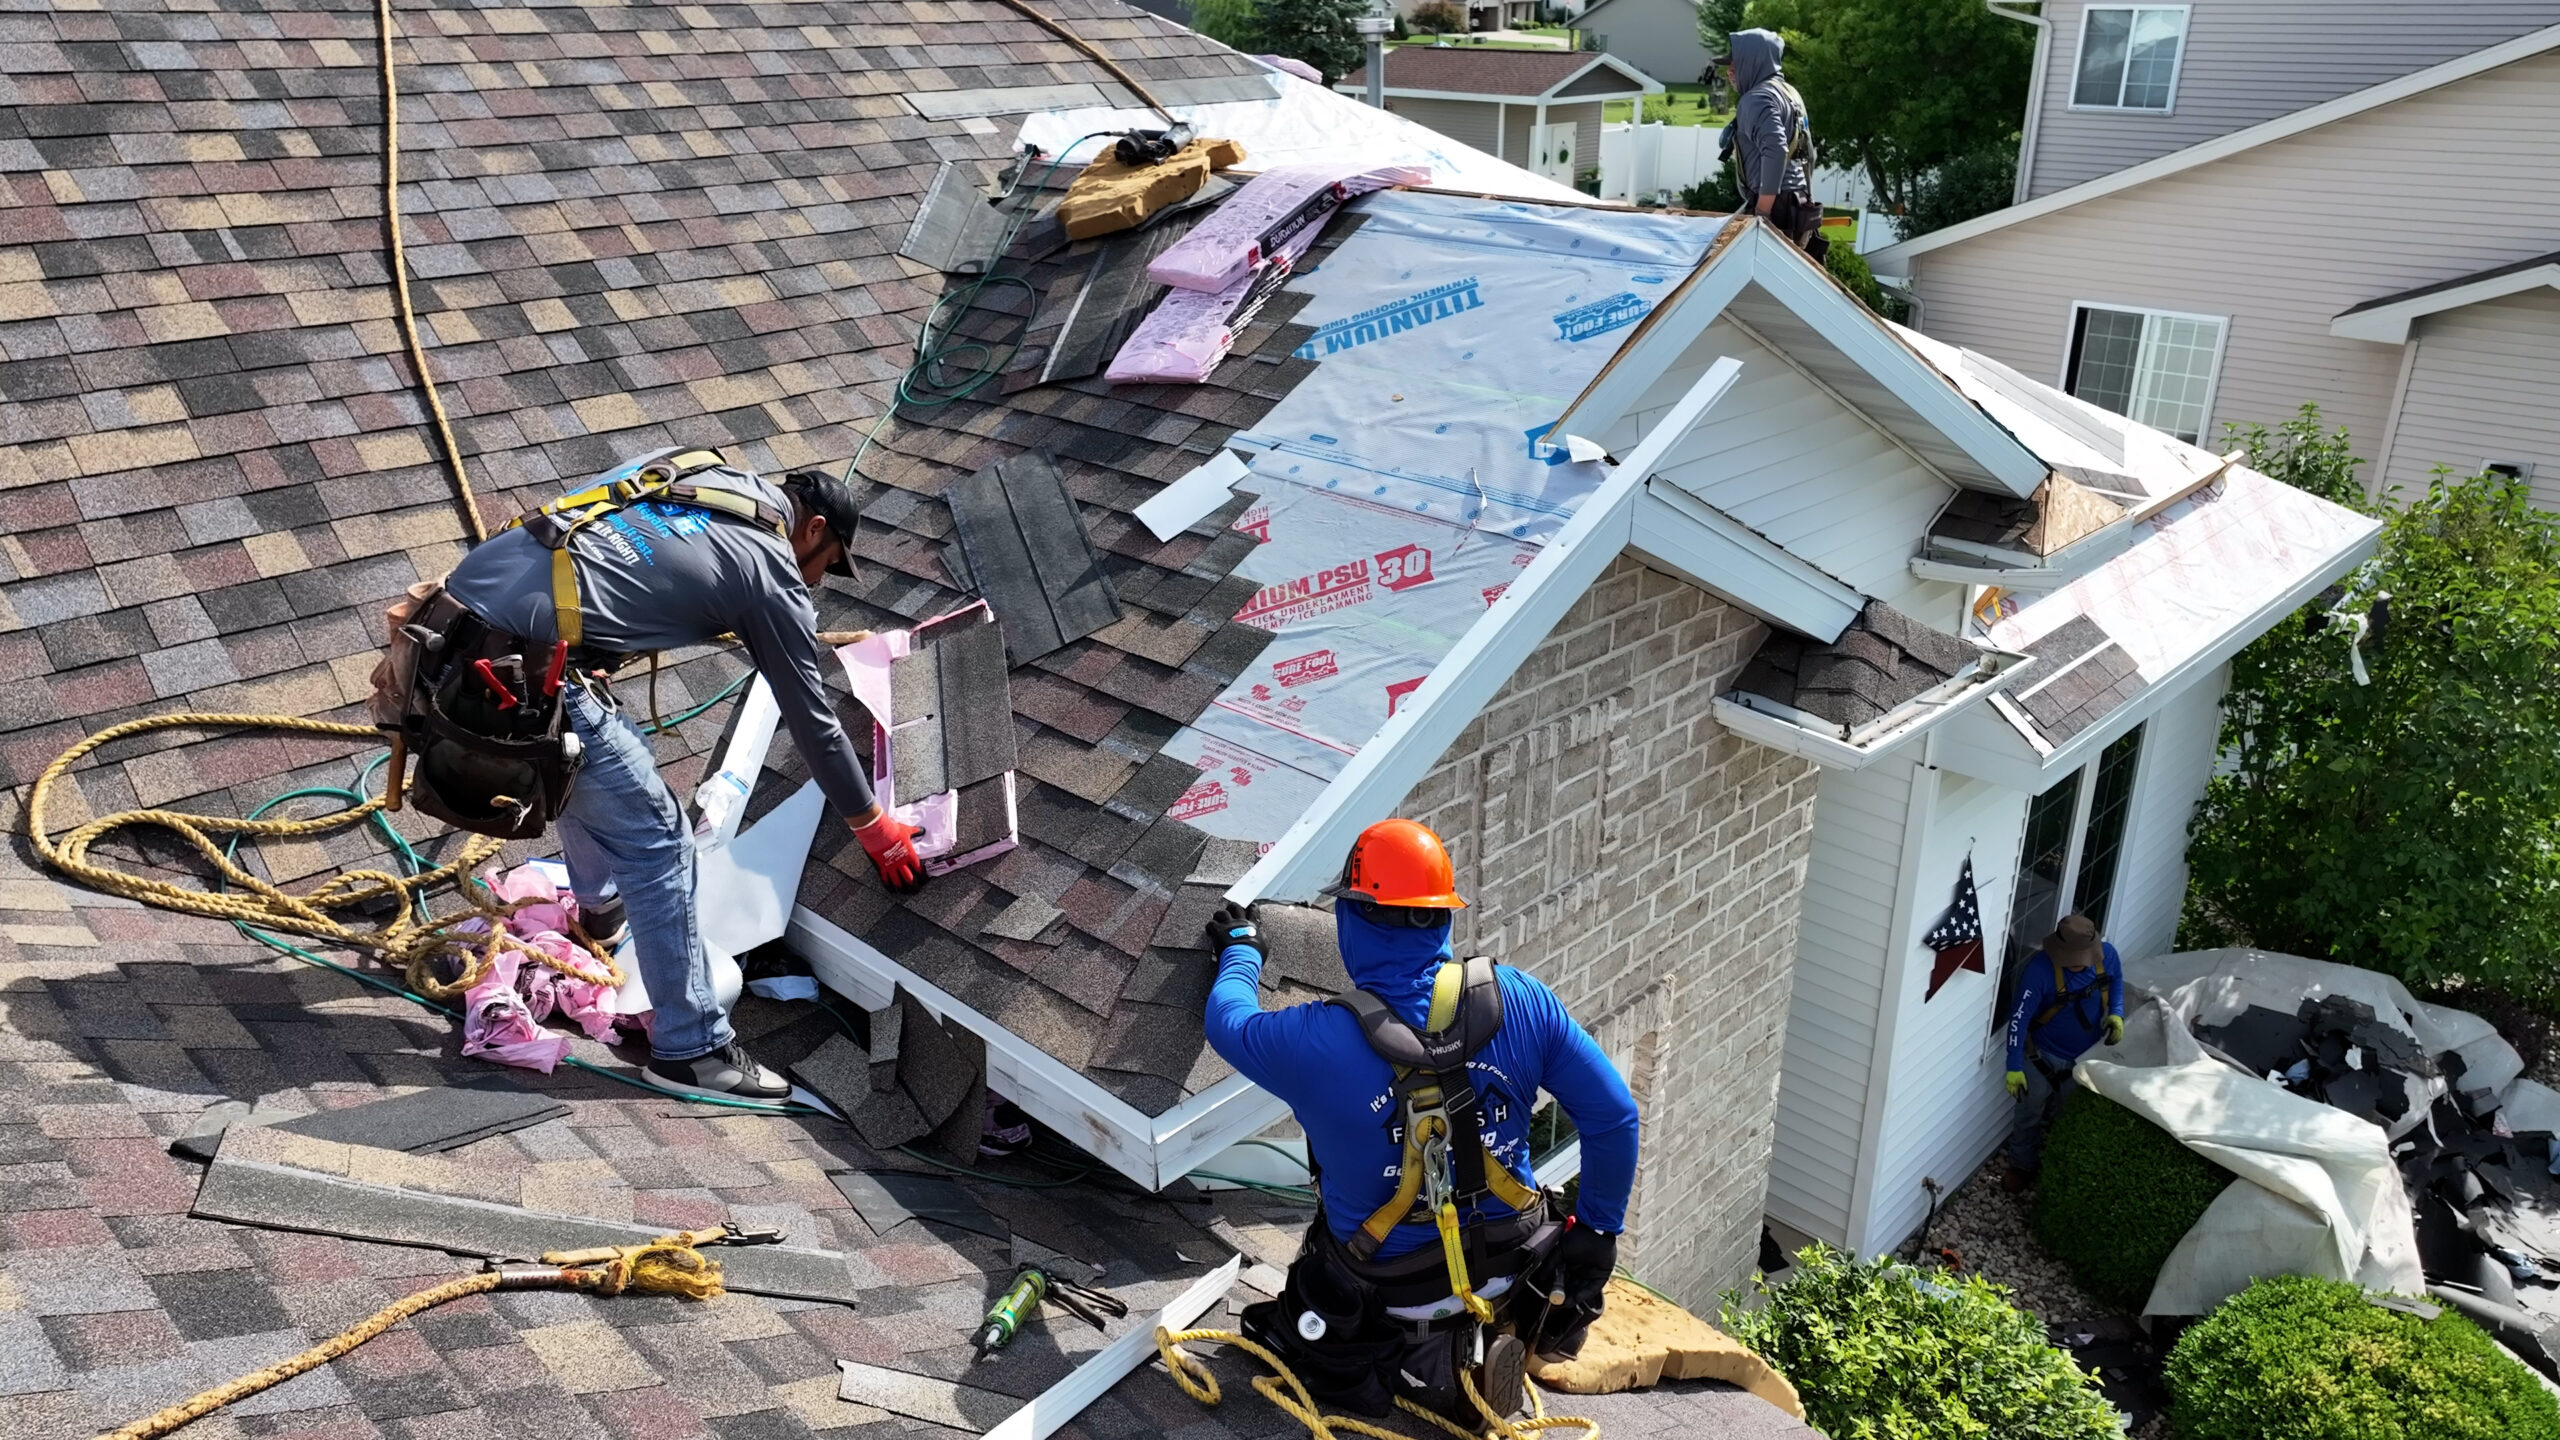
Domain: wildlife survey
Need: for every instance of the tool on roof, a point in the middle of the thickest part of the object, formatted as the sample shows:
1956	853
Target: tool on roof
1021	1301
669	1265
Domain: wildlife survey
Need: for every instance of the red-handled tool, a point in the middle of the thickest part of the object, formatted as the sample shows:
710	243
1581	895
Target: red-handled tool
559	667
489	677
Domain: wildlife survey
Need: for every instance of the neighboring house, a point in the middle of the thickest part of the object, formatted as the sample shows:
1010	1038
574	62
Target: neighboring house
1485	15
1537	109
1658	37
2384	252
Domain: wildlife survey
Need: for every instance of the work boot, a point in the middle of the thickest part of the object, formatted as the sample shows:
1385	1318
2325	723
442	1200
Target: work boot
2016	1181
607	924
727	1073
1502	1379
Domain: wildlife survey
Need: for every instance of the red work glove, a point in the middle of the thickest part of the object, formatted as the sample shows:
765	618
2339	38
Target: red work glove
891	844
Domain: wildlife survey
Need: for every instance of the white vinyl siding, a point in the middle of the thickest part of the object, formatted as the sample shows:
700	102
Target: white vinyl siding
2483	385
2429	189
2156	367
2247	61
1789	459
1945	1109
2178	746
2129	57
1832	1021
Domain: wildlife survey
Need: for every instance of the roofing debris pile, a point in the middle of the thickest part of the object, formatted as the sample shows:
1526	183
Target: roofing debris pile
2444	1178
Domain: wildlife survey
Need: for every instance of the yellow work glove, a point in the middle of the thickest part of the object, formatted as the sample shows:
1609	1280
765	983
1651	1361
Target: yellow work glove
2018	1083
2115	1028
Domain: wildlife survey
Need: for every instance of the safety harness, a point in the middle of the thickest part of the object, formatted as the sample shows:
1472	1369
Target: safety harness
661	476
2062	995
481	708
1447	1164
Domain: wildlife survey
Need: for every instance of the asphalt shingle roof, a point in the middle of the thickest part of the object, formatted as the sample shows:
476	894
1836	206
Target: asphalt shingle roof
1882	659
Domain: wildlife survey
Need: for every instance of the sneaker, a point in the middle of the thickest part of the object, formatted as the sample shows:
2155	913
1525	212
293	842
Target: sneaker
1502	1379
608	925
1007	1131
726	1073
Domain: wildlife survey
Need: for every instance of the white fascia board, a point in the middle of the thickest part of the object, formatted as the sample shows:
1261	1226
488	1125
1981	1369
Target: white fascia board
1562	1163
1091	1118
1195	1131
2389	324
1793	280
1484	97
1603	60
1986	745
1897	257
1677	532
1309	855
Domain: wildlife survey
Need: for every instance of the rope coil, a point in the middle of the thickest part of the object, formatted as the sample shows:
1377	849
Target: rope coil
1196	1381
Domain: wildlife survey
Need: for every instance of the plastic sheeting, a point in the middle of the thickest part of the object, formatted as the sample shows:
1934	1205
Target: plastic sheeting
1305	123
2319	1193
1406	481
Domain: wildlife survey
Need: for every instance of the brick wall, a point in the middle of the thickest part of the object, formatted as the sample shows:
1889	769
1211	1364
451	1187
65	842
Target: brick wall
1648	863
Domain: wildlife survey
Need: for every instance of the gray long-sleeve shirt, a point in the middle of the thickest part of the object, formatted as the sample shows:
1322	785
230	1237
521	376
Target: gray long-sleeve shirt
1762	119
656	576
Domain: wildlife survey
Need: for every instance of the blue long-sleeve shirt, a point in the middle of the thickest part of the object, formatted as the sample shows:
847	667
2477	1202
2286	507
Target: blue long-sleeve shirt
2089	997
1343	1094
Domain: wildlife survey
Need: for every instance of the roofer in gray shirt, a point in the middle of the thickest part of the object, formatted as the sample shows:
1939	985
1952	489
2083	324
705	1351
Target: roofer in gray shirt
1770	140
699	549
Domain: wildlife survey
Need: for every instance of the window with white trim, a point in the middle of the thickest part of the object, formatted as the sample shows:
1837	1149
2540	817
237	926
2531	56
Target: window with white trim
2155	366
2068	856
2129	57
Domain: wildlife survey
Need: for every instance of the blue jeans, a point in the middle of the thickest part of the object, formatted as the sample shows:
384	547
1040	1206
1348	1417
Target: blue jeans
2032	1113
623	833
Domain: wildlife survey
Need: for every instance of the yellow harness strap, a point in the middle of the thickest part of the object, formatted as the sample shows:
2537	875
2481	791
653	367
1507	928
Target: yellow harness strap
1448	986
656	480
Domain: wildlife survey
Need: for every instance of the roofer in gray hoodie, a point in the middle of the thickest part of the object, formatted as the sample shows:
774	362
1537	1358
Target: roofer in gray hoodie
1771	139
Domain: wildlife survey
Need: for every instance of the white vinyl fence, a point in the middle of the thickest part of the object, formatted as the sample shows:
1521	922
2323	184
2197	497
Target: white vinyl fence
1654	163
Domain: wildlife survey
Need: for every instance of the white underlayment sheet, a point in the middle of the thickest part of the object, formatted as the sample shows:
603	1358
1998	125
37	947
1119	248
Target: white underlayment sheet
1405	481
1304	123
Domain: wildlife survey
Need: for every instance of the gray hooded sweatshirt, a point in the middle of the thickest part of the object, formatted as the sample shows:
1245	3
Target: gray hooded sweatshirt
659	576
1760	119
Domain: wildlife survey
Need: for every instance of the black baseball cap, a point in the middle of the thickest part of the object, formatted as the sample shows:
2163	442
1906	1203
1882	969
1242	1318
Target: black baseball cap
831	499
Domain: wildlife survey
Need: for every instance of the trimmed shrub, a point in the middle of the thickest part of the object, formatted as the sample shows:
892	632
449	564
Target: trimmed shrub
1439	17
1881	1351
1850	268
2293	1358
2116	1196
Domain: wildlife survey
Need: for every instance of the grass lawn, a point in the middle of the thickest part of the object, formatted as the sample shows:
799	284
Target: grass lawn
1462	42
1679	106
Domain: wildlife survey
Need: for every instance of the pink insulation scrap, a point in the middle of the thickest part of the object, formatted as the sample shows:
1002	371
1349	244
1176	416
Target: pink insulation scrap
1281	208
503	1014
1182	340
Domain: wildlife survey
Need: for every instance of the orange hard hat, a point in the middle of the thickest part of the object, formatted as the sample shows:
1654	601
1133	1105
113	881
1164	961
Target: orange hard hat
1400	862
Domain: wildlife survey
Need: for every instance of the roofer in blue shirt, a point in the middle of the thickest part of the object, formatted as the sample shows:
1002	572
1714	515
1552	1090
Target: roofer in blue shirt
1433	1255
2070	996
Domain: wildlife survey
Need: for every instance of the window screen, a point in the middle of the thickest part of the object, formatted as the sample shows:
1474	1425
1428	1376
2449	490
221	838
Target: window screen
2129	57
2038	901
2102	842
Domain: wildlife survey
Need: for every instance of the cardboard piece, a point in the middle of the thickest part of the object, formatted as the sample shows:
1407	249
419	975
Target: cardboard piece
1641	1339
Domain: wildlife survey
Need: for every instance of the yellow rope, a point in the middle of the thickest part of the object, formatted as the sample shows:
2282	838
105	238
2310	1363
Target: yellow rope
668	1265
400	278
406	942
1294	1401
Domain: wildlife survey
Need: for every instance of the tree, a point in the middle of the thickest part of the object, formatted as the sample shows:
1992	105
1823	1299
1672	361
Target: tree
1316	31
1717	20
2412	824
1971	184
1439	17
1900	87
1229	22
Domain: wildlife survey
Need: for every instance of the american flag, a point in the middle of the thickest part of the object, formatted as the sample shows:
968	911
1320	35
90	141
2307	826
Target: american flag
1957	937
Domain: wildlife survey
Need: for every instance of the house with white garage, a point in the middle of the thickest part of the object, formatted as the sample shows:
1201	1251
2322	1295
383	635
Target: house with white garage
1538	109
2223	212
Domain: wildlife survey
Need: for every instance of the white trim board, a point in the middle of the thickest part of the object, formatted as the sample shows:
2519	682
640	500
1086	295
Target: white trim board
1897	257
2388	323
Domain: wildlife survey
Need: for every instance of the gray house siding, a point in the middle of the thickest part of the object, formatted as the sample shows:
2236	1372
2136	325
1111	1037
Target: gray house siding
2484	384
1471	123
1658	37
2280	239
2248	61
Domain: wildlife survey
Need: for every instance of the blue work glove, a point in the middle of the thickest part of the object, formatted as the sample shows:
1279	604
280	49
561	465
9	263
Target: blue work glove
1233	924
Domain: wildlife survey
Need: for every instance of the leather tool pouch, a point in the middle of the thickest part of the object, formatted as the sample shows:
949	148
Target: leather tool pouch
491	763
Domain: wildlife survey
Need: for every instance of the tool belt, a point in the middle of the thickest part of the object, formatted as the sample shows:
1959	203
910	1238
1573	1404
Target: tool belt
482	711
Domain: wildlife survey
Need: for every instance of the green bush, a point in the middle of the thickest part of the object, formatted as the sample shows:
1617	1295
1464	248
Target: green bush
2293	1358
1881	1351
1439	17
1850	268
2116	1195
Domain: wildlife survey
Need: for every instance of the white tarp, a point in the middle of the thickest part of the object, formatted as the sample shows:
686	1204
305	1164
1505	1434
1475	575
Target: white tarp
2318	1192
1407	480
1305	123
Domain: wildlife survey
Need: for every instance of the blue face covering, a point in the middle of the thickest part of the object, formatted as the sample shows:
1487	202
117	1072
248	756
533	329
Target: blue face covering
1393	963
